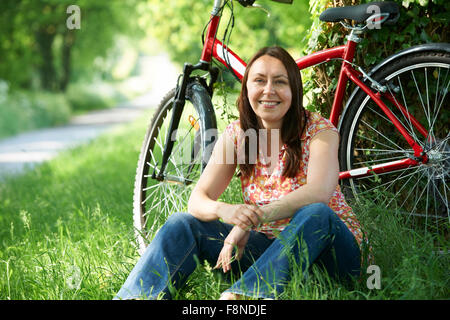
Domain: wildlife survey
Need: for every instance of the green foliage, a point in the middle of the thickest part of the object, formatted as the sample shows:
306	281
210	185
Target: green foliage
420	21
26	110
407	254
39	51
179	24
92	96
40	54
103	21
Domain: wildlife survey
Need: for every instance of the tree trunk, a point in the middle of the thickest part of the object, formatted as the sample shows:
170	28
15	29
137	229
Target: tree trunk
68	41
44	39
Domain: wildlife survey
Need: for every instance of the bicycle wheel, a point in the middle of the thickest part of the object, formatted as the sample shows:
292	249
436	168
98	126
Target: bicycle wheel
155	200
420	82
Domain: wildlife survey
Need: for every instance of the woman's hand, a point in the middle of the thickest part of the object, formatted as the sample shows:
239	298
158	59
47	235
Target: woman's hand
236	239
245	216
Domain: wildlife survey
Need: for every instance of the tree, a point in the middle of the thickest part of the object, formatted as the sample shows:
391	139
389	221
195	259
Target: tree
37	44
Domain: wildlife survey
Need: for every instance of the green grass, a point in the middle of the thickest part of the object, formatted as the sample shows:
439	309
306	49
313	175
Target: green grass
71	216
66	233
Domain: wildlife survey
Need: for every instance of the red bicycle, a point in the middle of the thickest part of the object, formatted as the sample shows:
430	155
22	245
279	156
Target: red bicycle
394	147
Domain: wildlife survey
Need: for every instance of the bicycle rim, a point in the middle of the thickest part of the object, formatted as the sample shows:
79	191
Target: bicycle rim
418	191
156	200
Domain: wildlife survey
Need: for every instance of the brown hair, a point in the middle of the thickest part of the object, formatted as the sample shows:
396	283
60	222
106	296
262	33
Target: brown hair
294	120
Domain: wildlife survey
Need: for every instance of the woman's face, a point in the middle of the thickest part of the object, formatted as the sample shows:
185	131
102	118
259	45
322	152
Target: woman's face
269	91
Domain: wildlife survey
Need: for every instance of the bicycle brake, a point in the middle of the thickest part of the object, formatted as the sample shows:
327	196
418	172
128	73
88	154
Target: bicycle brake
374	84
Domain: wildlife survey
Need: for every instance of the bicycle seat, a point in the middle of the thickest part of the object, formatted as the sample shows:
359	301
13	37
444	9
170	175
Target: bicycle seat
362	12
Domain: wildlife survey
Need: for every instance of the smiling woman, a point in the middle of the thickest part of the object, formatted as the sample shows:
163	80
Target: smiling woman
269	92
273	78
292	210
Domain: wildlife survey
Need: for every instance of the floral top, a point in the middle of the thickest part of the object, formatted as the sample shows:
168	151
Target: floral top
262	188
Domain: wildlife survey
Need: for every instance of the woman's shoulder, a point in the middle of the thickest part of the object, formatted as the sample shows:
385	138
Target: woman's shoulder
233	128
316	123
235	123
315	117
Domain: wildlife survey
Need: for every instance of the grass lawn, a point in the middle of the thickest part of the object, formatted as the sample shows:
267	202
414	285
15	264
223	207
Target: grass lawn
66	233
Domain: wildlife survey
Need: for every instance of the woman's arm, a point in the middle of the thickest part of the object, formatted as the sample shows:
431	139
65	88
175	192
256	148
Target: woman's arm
321	181
214	180
237	239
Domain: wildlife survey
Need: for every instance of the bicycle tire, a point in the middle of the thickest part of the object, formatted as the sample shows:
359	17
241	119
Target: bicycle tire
153	200
368	138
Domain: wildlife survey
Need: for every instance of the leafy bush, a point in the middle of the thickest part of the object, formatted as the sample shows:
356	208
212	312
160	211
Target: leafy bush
92	96
27	110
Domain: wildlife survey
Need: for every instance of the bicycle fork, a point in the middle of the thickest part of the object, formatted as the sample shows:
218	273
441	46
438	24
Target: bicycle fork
178	106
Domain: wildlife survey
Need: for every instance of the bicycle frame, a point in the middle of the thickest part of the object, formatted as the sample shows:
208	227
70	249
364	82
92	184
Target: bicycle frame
213	48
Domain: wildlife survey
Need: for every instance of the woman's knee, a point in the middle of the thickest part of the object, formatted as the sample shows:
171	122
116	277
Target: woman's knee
180	219
318	210
181	225
315	217
318	206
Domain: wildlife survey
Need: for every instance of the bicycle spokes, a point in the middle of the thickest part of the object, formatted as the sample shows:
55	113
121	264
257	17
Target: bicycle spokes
384	167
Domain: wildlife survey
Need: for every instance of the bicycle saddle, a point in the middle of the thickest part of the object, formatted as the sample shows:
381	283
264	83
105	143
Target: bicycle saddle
361	12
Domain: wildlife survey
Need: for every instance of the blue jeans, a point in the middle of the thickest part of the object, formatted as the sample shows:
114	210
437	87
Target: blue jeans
315	234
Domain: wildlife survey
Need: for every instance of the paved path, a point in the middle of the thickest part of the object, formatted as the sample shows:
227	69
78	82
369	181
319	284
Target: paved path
30	148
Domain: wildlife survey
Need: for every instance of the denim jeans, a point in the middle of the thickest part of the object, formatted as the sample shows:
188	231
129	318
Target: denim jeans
315	234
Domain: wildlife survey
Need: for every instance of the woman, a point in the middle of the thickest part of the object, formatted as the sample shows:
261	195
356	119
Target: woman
294	211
